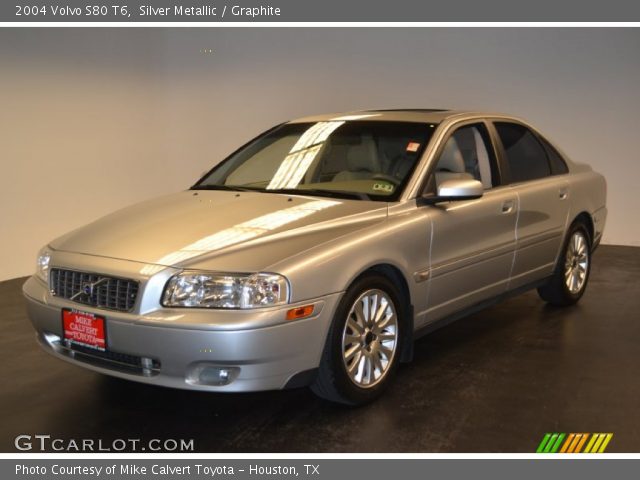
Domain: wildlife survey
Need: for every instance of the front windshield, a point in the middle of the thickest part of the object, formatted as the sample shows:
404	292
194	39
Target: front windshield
370	160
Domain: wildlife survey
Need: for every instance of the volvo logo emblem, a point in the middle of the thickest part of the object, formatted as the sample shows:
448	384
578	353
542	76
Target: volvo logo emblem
86	290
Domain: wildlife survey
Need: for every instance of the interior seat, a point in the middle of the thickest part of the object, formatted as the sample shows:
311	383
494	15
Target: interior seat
403	165
362	161
451	163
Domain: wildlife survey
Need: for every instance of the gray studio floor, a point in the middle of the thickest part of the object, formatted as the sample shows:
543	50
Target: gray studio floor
492	382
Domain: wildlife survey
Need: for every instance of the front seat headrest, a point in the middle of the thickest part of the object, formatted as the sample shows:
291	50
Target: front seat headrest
451	159
363	157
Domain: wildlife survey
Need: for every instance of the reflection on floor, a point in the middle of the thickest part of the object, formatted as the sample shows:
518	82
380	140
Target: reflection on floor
492	382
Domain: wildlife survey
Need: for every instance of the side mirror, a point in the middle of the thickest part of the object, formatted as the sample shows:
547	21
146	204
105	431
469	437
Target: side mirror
460	189
457	189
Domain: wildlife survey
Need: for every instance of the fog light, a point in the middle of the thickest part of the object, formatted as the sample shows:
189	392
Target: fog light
212	375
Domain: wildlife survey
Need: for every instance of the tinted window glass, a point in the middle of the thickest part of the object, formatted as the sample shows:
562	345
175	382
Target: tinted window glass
526	156
354	159
558	165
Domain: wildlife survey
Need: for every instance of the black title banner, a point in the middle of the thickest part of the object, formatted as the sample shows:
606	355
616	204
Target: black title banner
318	11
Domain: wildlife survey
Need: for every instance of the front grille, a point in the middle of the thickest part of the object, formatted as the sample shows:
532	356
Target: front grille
93	289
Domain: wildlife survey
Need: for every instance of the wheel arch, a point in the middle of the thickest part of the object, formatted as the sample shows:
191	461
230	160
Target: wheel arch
585	217
555	289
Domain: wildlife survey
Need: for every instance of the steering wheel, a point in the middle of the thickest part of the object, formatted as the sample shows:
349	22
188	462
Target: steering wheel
387	178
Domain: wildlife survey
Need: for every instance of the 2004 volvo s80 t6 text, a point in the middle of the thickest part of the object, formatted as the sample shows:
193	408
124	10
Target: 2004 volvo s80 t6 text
316	254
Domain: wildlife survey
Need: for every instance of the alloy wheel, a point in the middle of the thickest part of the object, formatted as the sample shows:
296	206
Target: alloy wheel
370	338
576	262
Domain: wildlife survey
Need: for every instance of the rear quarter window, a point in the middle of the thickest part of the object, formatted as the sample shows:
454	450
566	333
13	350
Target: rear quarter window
558	165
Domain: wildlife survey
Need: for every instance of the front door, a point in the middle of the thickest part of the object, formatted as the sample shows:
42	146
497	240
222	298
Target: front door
473	241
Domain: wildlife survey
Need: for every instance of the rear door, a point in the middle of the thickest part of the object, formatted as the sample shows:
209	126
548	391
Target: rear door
473	241
542	191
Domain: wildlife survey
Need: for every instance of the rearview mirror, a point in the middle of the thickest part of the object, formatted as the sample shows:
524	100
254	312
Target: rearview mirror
459	189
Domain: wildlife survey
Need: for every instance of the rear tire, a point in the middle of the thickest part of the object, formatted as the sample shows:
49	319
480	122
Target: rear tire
571	275
363	347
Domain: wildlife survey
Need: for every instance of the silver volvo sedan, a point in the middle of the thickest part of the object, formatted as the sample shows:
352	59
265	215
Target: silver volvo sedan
316	254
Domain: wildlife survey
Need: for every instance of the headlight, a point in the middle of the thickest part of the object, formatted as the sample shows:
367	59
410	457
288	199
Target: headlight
215	290
42	264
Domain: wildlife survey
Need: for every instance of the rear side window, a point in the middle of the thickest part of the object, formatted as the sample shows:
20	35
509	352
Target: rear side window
526	157
558	165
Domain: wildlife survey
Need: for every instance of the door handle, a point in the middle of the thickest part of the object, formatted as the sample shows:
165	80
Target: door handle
563	193
507	207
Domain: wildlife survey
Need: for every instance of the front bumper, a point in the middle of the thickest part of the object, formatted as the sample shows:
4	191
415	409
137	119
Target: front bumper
180	340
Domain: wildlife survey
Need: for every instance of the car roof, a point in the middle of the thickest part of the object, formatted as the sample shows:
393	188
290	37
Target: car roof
420	115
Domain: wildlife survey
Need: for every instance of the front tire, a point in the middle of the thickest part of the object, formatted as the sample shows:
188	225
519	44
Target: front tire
363	346
570	278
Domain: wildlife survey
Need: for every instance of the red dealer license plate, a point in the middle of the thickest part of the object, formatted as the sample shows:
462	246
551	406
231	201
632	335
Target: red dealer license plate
84	329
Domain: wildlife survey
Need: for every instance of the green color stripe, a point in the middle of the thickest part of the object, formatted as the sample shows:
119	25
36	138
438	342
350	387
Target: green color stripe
555	448
550	443
544	441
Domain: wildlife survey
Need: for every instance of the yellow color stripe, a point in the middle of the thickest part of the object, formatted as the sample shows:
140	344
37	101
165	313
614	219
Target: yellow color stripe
567	442
596	445
606	441
590	444
582	441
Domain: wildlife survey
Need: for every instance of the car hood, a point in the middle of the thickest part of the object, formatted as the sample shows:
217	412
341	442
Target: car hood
186	227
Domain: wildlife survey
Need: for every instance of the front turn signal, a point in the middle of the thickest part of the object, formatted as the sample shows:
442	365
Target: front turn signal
300	312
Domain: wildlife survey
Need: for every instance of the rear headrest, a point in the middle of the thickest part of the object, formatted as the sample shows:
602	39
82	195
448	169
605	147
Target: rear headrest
451	158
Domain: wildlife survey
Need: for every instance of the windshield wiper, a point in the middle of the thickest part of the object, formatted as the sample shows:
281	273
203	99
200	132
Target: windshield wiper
291	191
230	188
320	192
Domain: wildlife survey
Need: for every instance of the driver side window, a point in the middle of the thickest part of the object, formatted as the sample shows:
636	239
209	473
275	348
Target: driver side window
467	154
